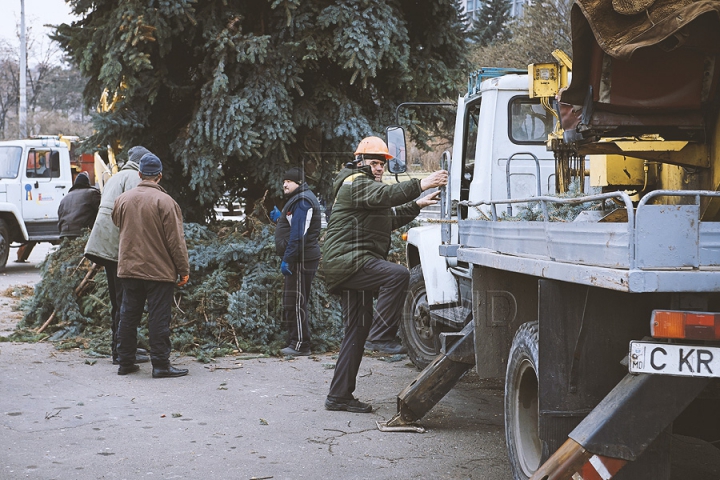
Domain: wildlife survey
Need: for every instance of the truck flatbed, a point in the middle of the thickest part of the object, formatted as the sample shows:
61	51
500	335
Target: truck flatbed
704	279
659	248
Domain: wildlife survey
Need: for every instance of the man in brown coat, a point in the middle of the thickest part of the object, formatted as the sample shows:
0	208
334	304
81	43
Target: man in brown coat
151	255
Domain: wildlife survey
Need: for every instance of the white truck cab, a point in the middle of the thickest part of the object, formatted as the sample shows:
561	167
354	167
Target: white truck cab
35	174
499	151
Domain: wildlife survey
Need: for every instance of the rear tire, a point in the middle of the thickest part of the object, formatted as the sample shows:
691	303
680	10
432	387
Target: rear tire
522	432
421	339
4	244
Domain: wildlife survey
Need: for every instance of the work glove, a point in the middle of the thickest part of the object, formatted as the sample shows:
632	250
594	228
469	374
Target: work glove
275	215
285	268
183	280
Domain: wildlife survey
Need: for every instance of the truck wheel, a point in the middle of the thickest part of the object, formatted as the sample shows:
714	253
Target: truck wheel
420	338
522	433
4	244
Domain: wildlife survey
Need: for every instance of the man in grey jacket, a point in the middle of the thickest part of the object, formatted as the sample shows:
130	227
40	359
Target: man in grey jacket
102	246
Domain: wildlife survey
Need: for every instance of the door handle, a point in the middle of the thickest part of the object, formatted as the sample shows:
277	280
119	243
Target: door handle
59	186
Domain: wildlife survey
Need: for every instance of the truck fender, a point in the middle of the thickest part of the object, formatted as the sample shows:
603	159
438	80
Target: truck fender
11	210
423	248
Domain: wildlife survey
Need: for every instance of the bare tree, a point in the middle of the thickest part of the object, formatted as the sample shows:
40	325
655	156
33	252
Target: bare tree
9	84
54	90
544	27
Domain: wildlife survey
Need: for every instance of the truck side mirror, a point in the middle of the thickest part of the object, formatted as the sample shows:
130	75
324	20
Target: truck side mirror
396	145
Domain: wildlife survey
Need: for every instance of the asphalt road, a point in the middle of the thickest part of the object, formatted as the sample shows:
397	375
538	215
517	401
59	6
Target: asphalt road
64	415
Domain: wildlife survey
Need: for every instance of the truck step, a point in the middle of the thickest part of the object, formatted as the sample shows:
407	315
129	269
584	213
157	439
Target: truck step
452	316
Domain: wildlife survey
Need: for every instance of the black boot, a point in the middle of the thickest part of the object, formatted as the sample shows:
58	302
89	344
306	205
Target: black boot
169	372
125	369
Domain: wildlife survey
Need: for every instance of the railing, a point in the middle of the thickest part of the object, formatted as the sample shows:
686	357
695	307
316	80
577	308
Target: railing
633	216
545	199
507	176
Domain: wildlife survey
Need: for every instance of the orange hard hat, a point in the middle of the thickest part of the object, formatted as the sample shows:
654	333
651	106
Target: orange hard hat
373	146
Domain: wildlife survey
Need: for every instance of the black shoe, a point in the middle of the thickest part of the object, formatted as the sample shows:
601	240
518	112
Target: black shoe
169	372
354	405
291	352
393	348
139	358
125	369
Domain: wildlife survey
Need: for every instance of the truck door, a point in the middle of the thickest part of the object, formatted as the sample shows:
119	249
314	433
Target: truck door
469	151
44	185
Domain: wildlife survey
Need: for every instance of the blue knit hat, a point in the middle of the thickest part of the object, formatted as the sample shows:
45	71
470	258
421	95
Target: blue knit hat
150	165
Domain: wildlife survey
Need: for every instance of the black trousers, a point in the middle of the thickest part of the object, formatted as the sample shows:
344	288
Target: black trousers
295	296
159	297
390	280
115	289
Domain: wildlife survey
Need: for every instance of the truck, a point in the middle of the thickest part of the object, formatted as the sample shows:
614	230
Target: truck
35	174
577	257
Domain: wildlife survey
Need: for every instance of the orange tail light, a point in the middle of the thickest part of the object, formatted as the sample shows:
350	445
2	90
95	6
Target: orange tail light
685	325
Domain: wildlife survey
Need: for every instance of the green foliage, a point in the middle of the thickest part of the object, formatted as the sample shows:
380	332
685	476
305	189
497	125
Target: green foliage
232	302
62	271
230	93
491	25
558	212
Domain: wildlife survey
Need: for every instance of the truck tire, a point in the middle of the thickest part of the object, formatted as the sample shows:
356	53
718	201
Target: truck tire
4	244
522	434
420	338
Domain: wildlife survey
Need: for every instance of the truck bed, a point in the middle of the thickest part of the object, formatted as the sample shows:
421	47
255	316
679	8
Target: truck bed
660	248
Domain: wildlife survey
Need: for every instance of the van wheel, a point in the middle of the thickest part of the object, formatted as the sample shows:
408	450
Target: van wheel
420	338
522	432
4	244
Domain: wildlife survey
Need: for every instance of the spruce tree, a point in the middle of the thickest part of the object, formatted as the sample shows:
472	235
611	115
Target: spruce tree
231	93
491	25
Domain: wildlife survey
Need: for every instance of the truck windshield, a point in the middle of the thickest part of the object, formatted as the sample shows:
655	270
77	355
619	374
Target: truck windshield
10	161
529	122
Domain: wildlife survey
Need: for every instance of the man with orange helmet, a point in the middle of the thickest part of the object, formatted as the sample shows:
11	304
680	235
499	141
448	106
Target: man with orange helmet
355	251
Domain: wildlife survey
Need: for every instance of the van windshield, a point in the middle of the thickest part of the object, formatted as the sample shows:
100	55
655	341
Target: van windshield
10	161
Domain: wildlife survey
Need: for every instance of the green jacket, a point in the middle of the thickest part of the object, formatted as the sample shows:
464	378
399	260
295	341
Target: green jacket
361	221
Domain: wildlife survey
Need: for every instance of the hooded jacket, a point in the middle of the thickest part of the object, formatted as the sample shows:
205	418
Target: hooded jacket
78	208
298	228
364	214
102	245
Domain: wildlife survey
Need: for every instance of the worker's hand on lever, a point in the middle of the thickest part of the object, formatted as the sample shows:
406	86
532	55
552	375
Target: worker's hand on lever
428	200
183	280
435	179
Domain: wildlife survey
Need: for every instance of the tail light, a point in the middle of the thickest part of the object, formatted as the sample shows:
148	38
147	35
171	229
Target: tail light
685	325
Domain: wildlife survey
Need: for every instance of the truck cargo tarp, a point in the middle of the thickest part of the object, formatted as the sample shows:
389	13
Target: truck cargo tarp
660	24
620	34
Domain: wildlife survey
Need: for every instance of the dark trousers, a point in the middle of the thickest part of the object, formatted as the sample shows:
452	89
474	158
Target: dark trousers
159	300
390	280
295	296
115	289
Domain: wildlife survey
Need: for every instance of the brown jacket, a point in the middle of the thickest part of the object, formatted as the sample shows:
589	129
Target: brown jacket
152	242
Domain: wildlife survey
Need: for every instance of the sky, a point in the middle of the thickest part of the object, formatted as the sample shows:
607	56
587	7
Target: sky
37	13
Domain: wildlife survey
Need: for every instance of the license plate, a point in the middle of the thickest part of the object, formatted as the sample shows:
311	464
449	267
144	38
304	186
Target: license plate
670	359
